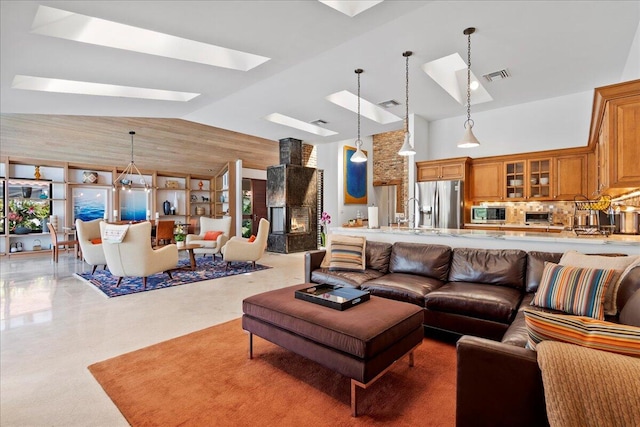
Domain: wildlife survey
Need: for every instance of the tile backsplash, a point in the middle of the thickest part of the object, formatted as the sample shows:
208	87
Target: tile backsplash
562	211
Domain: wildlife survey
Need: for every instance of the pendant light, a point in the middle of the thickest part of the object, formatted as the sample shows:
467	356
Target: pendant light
407	149
358	156
468	140
125	179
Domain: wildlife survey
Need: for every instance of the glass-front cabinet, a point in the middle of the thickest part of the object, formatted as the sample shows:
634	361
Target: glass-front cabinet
29	206
528	179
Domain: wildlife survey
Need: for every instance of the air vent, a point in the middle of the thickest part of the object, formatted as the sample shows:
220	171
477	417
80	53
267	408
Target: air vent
319	122
497	75
388	104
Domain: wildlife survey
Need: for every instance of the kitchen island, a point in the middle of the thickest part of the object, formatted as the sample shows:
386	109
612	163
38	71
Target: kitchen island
490	239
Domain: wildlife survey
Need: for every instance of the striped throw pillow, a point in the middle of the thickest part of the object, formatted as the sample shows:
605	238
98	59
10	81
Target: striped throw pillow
347	255
584	331
574	290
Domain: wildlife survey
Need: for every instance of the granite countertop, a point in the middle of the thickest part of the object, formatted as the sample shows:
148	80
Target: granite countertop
563	236
512	225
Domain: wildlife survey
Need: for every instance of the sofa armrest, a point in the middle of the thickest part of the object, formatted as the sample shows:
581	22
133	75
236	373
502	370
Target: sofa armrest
312	261
498	385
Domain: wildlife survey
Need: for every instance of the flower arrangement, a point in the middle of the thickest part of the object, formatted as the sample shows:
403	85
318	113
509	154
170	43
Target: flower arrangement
27	214
325	219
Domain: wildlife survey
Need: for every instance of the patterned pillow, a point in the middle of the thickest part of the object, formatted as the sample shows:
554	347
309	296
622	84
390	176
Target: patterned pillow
347	255
344	238
622	265
574	290
584	331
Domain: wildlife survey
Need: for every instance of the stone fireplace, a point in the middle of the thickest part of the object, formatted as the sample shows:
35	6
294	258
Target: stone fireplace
292	201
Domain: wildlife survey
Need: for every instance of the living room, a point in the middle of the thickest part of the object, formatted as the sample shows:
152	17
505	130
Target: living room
65	326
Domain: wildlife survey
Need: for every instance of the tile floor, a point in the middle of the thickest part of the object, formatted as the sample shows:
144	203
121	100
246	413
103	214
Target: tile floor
53	325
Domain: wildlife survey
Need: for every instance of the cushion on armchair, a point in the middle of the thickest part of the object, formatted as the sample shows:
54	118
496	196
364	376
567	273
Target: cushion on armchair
212	235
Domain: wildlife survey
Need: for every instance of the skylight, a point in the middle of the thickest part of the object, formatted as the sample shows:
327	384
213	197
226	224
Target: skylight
87	29
350	7
450	72
46	84
347	100
281	119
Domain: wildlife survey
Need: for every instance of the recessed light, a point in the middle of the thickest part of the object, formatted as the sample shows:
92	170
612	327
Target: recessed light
281	119
319	122
347	100
87	29
46	84
351	7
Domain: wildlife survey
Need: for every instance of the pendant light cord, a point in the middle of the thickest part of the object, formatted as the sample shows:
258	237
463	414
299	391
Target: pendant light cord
469	79
406	100
359	141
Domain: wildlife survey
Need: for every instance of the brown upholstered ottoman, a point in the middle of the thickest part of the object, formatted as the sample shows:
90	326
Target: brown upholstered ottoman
360	343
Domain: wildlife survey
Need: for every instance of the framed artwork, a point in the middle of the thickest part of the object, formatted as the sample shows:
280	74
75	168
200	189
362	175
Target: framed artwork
354	179
90	203
134	205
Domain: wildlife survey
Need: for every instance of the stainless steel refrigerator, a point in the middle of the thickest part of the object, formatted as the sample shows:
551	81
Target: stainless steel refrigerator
440	204
385	200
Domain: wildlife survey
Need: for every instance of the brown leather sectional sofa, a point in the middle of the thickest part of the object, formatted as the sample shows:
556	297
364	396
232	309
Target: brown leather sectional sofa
479	294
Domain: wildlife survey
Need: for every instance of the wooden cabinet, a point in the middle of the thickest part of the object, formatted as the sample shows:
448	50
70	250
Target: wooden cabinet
615	137
570	176
486	181
200	201
437	170
529	179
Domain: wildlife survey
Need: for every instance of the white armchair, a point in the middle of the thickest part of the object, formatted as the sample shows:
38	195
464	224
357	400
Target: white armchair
92	253
210	246
135	257
240	249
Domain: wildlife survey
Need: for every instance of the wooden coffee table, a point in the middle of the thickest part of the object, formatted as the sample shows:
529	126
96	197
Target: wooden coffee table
192	255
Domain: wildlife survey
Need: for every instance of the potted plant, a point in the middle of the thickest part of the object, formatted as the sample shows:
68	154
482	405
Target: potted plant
179	238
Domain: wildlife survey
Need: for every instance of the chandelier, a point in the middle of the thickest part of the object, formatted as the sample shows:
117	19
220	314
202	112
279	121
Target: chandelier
125	181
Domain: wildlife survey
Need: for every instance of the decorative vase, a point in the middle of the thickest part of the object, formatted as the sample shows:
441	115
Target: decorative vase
22	230
166	207
180	244
323	239
26	192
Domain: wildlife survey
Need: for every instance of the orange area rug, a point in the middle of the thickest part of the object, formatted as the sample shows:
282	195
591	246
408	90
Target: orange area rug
205	379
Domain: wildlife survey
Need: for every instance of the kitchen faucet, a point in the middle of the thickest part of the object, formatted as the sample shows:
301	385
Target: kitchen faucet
413	222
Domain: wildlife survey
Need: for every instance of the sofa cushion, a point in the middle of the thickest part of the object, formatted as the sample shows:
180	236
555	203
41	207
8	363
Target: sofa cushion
343	238
495	303
351	279
535	266
630	314
402	287
584	331
489	266
621	264
574	290
377	255
421	259
347	255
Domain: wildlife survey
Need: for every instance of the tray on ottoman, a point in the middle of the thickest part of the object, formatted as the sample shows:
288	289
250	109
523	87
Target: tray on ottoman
336	297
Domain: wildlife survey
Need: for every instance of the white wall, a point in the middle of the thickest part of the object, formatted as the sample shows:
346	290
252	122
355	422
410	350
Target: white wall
554	123
330	158
632	67
254	173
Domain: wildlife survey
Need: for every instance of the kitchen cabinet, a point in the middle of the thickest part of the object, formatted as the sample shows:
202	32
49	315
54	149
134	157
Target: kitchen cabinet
615	137
570	176
528	179
486	181
449	169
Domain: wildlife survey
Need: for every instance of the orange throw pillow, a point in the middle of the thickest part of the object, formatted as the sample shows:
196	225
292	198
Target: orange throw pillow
212	235
252	238
96	241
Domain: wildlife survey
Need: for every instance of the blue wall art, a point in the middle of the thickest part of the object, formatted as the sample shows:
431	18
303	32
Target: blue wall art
355	179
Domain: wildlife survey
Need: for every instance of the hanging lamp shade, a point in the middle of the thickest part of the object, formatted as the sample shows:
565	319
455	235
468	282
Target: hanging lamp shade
407	148
468	140
358	156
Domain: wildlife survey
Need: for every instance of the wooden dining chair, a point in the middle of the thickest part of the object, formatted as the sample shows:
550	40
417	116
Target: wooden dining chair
164	232
56	244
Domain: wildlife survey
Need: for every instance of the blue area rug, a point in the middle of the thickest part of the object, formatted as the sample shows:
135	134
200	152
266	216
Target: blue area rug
206	269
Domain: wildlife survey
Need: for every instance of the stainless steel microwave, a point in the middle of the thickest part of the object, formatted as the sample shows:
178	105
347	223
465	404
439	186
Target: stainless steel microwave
542	217
488	214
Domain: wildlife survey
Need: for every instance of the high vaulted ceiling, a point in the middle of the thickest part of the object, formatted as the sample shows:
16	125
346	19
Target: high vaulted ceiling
551	48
